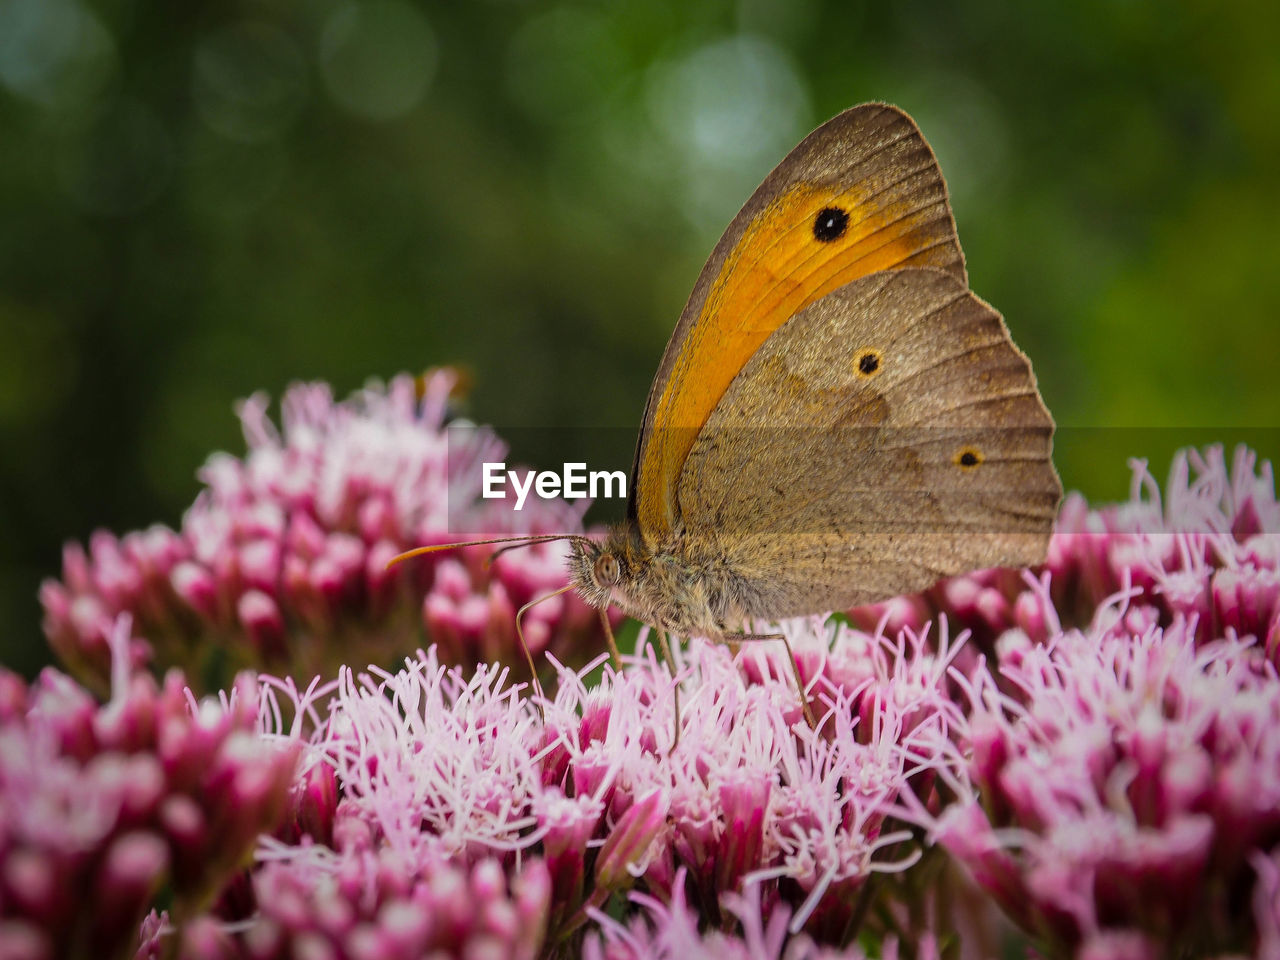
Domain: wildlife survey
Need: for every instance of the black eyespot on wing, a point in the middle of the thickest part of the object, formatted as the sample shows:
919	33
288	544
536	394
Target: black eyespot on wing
830	224
866	362
968	458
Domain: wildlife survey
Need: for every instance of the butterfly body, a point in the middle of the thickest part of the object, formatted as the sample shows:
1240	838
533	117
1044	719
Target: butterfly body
684	586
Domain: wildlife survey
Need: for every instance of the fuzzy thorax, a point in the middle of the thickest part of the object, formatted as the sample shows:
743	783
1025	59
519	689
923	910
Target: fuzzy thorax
664	588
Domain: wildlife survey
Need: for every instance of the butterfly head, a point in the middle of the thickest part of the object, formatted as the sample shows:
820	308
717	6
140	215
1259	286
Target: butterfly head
601	571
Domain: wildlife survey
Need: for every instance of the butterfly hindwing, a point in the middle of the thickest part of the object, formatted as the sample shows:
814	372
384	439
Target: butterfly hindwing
887	435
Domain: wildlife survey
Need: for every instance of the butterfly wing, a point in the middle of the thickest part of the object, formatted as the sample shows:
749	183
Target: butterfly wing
860	194
886	436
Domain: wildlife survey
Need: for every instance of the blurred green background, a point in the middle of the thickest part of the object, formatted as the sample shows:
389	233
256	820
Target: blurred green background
199	200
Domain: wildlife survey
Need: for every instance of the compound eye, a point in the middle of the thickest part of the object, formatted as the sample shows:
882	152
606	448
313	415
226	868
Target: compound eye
606	569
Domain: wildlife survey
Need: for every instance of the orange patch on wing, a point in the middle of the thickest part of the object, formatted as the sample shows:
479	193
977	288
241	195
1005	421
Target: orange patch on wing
776	270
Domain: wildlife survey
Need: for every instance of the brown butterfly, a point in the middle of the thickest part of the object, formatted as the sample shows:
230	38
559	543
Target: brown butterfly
837	419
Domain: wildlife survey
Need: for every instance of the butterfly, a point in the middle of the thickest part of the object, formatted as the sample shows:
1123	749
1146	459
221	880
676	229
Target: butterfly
837	418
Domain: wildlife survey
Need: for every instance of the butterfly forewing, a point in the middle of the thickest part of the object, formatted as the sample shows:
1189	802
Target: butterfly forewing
863	193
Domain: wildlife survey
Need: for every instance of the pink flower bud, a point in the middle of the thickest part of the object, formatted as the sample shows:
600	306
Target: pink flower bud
380	580
377	520
1118	945
31	886
630	839
744	800
263	623
259	564
205	939
196	587
131	872
20	940
570	823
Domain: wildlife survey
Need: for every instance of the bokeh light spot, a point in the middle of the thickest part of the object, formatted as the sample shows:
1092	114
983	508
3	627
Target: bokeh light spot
377	59
730	108
53	52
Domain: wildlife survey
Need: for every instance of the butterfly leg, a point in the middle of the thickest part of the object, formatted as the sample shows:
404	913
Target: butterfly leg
608	635
675	684
538	695
734	638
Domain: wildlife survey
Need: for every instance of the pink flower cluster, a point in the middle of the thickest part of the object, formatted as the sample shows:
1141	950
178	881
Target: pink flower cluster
674	931
750	794
1207	551
437	767
281	562
372	904
104	806
1118	785
1097	742
1119	792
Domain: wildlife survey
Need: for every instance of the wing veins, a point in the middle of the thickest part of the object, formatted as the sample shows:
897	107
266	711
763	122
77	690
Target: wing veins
916	374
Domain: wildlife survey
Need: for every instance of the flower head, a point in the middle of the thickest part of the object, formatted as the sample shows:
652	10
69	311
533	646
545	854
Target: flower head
673	931
1208	547
375	903
1116	781
102	805
282	561
432	766
1095	741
